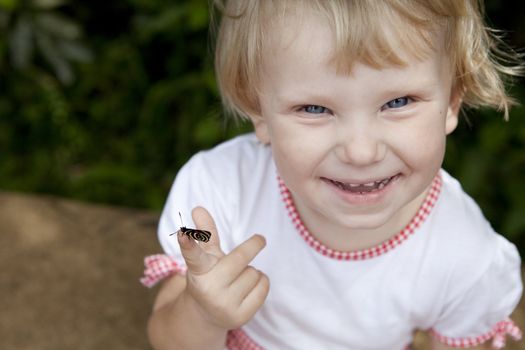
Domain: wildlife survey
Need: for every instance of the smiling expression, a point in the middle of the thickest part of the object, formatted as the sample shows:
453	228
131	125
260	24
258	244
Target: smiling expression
357	151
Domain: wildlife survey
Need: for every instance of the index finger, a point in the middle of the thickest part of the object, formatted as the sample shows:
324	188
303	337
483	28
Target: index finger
238	259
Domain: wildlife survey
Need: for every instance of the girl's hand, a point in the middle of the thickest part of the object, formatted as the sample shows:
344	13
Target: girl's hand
227	291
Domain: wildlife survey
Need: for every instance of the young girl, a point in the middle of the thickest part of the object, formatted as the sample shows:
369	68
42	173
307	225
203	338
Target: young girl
361	237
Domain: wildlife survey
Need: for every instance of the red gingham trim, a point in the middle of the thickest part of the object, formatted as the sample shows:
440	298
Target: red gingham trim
368	253
498	335
158	267
238	340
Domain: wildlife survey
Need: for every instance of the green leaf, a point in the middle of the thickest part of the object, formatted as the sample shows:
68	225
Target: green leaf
59	64
514	225
208	131
473	172
4	20
149	26
9	4
198	15
48	4
58	25
21	43
117	183
75	51
494	135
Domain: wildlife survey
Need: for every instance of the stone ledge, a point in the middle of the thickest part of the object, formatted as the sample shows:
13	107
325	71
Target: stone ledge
71	275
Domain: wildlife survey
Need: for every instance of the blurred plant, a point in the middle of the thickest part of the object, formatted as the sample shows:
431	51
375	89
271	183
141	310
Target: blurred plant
36	31
146	101
135	113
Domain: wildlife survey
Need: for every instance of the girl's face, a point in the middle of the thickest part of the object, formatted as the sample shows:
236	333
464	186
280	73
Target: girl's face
358	152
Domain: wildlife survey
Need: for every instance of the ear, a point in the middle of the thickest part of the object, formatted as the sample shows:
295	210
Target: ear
261	128
454	106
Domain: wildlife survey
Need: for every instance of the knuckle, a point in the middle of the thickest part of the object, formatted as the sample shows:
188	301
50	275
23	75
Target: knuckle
197	292
238	319
203	288
265	281
229	316
263	285
252	271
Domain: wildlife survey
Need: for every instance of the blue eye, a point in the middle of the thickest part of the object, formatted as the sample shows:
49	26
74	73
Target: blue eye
314	109
397	102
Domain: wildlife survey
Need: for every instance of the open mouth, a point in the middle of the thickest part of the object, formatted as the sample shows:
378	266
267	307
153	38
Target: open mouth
365	188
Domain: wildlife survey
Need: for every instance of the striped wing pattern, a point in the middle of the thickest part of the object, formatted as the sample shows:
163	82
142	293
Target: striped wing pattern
198	235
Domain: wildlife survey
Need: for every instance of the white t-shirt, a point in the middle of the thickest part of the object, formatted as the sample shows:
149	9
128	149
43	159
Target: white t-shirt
447	271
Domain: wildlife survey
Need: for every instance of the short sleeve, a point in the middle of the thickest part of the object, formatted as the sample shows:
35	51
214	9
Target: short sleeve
479	312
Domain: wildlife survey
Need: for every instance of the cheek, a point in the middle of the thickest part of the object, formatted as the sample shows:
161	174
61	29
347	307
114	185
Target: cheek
423	143
297	151
290	152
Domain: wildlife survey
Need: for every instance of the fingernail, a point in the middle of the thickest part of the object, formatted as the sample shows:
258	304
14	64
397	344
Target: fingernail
182	238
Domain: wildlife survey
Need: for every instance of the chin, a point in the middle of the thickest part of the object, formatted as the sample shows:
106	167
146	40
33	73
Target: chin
365	222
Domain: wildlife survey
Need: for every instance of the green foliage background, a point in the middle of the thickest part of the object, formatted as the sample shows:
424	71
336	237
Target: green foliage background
105	100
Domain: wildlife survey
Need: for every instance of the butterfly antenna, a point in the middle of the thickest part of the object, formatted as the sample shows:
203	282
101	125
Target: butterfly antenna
181	223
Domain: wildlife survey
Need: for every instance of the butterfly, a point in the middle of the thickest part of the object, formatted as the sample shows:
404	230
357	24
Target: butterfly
198	235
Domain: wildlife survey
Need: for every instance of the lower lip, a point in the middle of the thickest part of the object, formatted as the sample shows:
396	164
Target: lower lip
365	197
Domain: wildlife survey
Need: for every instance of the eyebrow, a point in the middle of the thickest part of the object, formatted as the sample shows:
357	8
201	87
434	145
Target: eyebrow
307	97
318	96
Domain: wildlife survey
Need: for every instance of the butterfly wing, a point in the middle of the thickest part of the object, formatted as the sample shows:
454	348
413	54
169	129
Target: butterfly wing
198	235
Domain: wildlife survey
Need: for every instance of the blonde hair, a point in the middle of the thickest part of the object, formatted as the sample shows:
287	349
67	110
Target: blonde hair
480	61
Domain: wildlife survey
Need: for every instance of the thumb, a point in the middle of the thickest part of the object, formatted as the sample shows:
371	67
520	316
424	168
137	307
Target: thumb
201	257
204	221
197	260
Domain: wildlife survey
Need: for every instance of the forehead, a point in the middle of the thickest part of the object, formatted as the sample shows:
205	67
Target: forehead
377	36
300	60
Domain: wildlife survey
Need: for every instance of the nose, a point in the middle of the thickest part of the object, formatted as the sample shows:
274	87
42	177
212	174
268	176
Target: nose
360	144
